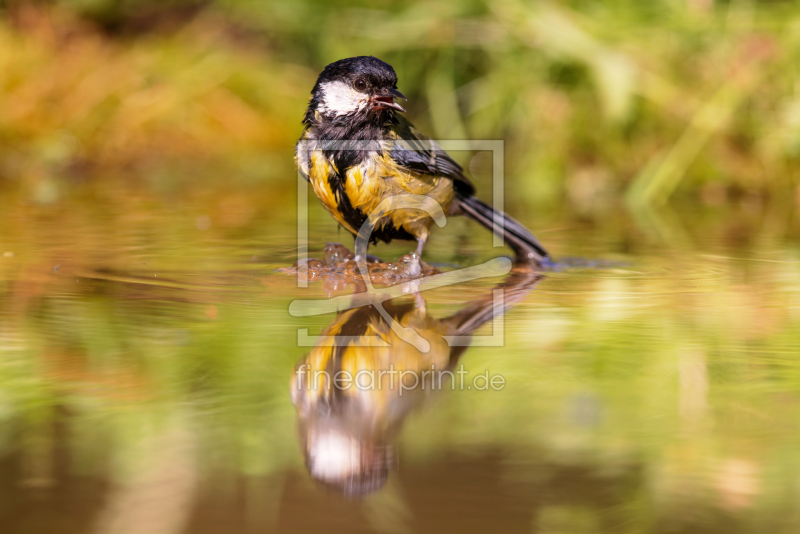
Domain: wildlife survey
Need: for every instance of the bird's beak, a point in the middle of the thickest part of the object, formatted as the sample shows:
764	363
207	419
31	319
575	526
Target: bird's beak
397	94
387	100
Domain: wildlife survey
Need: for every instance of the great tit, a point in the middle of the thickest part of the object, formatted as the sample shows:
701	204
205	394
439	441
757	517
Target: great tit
356	151
353	396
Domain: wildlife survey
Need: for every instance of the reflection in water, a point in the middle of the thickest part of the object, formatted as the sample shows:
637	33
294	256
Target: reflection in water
356	387
658	399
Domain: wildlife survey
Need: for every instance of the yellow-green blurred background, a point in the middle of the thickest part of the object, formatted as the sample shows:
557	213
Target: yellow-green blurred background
695	100
147	199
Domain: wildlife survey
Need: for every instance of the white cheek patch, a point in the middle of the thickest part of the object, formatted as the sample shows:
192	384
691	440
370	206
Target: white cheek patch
338	98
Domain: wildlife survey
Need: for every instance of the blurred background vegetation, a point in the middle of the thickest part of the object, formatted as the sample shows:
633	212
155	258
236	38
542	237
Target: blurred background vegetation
596	101
147	196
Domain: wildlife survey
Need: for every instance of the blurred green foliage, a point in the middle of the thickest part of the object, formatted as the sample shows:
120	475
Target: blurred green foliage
146	155
594	100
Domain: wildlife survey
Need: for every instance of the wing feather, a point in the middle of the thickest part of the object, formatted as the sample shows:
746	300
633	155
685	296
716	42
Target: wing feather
415	152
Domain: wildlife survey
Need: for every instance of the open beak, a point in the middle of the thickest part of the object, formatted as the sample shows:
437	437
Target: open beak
387	100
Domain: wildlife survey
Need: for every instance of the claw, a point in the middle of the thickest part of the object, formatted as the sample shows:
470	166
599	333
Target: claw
414	268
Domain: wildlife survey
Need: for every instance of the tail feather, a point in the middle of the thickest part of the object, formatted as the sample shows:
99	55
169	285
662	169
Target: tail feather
515	288
525	245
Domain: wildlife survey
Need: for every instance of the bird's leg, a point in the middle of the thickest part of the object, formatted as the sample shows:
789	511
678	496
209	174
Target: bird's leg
421	245
415	268
420	302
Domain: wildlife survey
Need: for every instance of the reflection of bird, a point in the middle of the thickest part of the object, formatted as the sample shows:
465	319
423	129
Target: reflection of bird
347	428
356	151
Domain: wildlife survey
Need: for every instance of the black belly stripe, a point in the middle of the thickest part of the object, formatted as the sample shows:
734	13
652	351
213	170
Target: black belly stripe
388	232
356	218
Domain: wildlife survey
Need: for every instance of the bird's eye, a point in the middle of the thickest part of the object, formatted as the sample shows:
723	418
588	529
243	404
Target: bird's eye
360	84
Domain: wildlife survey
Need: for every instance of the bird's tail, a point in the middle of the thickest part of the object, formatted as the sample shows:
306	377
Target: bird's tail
516	287
520	239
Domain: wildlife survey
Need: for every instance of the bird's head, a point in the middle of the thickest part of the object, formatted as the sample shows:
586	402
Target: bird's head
356	89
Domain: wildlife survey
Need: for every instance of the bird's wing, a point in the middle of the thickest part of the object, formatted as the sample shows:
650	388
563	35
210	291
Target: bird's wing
418	153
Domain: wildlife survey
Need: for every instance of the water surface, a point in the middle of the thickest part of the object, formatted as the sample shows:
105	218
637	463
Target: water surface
147	356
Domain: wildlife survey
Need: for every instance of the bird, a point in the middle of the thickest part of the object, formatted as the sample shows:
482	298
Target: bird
348	396
356	150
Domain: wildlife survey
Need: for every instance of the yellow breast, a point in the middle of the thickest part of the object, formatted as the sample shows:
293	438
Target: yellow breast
319	172
369	183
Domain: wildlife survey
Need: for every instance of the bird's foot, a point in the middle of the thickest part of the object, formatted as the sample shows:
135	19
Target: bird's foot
413	267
